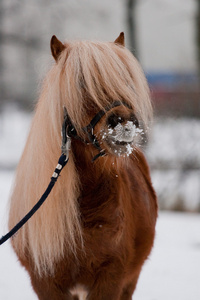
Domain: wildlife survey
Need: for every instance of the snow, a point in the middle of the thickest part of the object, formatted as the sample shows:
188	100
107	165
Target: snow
14	282
14	126
178	143
174	156
123	132
173	270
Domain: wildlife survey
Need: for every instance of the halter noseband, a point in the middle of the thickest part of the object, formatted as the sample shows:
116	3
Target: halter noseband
69	130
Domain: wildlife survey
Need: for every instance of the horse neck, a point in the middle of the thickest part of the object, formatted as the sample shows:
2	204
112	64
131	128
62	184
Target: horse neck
101	169
102	180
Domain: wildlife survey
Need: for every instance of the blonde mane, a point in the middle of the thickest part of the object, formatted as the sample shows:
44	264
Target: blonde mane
88	75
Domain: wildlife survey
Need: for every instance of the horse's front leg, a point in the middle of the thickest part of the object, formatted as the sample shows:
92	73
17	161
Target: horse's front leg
107	286
130	286
52	294
49	290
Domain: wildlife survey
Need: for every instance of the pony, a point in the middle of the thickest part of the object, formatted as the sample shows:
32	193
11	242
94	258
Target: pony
97	227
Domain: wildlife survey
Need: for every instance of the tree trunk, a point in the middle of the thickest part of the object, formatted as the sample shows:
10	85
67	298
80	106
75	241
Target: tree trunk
131	25
2	88
198	34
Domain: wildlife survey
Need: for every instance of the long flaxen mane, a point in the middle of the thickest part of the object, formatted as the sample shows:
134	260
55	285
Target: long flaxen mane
87	76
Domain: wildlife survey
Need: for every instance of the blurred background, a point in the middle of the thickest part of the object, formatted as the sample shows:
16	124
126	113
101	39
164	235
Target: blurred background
165	37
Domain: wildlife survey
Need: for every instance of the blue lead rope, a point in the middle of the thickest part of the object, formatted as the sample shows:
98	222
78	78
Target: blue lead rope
61	163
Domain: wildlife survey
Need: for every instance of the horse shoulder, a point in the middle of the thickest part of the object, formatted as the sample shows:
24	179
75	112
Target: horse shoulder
139	161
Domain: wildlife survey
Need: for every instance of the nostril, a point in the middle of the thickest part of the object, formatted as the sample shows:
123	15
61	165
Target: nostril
114	120
136	123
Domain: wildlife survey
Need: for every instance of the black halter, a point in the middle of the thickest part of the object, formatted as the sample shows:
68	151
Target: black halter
69	130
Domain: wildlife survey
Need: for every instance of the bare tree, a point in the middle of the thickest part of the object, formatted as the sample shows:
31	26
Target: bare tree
2	91
131	25
198	34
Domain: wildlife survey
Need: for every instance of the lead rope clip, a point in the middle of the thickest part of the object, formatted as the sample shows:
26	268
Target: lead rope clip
66	146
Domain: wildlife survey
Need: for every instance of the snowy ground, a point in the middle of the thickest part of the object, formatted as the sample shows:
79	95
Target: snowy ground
173	270
174	155
171	273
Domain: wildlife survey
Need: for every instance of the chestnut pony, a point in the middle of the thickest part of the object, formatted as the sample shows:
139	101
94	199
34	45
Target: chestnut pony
97	227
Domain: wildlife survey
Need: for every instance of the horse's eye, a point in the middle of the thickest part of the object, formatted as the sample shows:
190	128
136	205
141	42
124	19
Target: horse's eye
113	120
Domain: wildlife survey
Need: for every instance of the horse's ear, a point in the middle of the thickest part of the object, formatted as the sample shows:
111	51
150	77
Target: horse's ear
56	47
120	39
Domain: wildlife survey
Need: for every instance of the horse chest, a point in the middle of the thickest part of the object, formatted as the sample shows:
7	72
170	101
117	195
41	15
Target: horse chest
103	222
102	216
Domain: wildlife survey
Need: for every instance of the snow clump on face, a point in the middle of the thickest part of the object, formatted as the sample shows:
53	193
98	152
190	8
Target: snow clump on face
125	133
122	138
